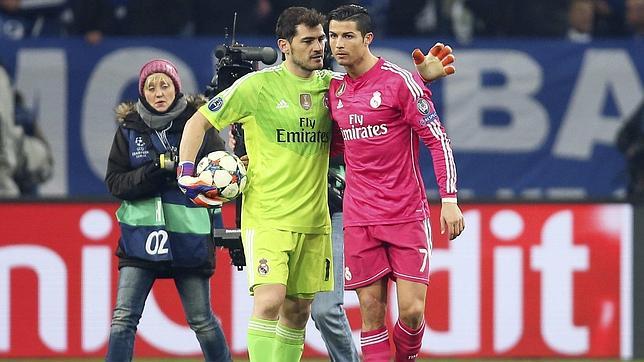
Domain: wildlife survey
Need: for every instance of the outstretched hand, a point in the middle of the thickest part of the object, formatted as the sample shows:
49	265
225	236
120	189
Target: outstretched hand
436	64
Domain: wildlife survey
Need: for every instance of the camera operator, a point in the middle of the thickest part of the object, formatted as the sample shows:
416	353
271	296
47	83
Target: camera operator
163	234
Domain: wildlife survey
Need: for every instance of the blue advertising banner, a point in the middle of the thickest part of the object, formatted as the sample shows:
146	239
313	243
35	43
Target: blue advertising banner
527	118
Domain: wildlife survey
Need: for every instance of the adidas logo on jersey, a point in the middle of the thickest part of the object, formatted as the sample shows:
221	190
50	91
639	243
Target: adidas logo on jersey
282	104
340	105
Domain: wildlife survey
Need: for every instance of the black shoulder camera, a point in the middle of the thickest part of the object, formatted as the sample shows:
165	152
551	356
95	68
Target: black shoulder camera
233	62
236	60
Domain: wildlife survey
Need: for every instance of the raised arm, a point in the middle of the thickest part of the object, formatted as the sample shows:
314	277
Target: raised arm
436	64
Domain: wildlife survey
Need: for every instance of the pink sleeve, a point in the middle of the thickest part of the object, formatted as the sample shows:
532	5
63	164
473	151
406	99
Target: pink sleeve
418	109
337	143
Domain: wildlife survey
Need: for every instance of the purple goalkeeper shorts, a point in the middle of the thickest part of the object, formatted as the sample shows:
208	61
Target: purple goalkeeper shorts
372	252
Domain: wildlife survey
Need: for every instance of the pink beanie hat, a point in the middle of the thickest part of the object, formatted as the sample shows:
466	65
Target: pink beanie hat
159	66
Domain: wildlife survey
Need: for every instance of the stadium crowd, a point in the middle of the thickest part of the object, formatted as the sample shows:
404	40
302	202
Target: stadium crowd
578	20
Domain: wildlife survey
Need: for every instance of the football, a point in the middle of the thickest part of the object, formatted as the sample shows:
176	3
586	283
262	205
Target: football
225	172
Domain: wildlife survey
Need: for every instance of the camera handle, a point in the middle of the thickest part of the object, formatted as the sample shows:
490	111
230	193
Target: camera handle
231	240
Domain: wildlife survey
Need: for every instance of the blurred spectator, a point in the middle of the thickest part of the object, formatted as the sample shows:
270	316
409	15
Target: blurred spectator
267	11
8	187
462	20
215	17
35	161
325	6
25	157
581	17
119	19
543	18
635	17
419	17
160	17
21	19
609	18
403	20
256	17
578	20
378	9
91	19
435	17
630	141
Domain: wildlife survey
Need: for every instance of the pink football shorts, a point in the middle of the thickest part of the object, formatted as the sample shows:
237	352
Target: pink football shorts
372	252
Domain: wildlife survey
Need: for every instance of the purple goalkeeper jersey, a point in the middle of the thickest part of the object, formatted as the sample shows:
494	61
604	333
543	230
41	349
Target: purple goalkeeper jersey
381	115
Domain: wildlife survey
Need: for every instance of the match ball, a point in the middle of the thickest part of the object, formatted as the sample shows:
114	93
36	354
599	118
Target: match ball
224	171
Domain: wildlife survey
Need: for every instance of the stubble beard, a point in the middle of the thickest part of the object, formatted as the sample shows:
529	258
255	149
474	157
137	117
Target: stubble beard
305	65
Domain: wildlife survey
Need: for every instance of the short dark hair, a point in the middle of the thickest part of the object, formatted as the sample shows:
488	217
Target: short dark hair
353	12
290	18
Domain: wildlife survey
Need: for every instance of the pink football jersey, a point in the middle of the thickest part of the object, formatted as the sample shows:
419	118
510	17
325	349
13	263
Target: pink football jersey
380	117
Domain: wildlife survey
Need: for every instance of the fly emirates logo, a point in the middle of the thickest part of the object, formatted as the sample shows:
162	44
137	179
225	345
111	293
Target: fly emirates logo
359	131
306	134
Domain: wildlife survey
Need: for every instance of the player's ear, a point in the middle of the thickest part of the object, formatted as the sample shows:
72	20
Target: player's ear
368	38
284	46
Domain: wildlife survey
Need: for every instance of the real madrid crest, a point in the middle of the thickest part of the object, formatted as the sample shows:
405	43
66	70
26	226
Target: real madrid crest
326	100
340	89
305	101
375	100
263	268
347	274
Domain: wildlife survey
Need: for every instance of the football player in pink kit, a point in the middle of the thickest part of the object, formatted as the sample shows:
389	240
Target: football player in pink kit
382	111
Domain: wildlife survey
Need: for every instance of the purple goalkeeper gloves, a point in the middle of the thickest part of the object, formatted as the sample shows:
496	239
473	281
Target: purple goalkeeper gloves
199	192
